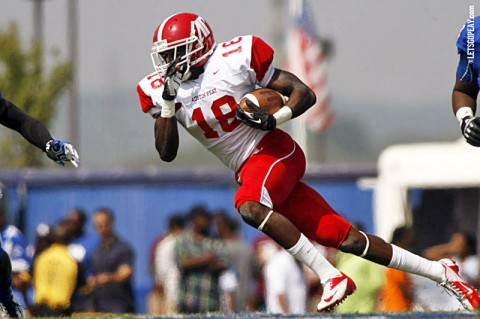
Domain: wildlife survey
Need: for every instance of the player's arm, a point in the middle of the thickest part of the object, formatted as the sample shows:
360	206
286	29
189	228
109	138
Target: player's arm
166	129
166	137
464	98
36	133
300	96
31	129
464	95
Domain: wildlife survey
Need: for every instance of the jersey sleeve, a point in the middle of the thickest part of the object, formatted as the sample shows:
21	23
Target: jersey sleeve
469	35
145	101
468	47
261	61
466	72
149	93
126	256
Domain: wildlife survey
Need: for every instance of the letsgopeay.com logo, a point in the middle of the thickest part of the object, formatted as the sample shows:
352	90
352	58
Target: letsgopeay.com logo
470	34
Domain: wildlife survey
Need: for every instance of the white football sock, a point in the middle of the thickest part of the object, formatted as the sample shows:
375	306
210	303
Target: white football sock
306	253
409	262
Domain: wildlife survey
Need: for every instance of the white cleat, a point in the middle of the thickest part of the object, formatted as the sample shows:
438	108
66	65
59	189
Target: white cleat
335	290
452	282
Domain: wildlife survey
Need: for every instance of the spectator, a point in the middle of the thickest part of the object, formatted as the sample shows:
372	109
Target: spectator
112	268
156	296
200	260
56	275
462	248
81	246
397	294
370	278
164	268
285	284
43	239
241	257
81	243
428	295
264	248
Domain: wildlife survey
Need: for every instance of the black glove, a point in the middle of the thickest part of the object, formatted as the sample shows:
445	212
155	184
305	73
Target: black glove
258	118
471	130
173	79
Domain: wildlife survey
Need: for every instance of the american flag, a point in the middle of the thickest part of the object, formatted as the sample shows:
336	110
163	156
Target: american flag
305	59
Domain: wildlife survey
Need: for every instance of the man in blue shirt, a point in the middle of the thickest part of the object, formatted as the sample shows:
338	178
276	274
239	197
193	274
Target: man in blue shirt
467	83
37	134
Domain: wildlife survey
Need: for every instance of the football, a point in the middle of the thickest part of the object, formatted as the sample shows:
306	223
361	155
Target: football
267	99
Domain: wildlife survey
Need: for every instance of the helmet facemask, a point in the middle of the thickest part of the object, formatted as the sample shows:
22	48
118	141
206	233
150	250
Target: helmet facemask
164	53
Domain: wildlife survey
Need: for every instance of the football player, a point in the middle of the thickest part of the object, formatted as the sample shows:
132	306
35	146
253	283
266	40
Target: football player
198	84
37	134
467	82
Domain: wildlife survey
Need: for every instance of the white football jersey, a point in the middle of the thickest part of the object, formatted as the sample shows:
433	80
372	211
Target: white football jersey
206	106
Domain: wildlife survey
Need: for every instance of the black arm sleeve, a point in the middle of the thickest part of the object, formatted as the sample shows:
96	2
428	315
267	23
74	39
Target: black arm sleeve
31	129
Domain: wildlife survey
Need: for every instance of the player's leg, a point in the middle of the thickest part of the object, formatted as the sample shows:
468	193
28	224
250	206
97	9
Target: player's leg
7	299
444	272
268	178
312	215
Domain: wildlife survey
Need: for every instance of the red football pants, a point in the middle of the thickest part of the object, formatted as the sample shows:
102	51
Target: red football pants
271	176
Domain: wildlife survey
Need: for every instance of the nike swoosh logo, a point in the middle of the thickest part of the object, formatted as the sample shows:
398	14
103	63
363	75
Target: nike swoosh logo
333	292
469	290
251	119
216	71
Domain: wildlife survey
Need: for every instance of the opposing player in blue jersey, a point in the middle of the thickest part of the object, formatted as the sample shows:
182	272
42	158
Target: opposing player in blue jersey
465	92
60	152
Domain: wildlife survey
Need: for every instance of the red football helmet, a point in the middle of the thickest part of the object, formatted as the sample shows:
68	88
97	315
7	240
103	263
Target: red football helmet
183	34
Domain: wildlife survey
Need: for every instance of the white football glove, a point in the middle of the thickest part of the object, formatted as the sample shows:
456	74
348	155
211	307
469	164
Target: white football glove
61	152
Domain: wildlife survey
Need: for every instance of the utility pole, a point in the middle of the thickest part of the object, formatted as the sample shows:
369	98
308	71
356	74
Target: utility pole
38	20
72	34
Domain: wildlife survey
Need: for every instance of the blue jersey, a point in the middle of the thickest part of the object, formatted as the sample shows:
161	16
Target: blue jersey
468	46
15	245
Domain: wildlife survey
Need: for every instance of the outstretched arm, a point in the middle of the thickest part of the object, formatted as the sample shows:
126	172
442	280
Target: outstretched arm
36	133
31	129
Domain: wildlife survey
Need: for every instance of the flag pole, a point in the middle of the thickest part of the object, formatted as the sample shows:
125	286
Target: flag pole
306	59
299	129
